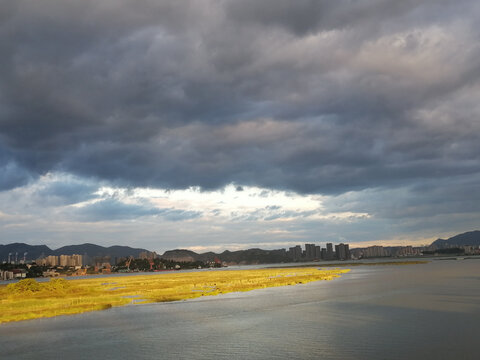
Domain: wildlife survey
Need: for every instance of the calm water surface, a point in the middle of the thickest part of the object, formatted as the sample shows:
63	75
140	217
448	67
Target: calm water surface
429	311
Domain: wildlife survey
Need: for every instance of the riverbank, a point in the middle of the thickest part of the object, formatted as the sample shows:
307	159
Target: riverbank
29	299
373	263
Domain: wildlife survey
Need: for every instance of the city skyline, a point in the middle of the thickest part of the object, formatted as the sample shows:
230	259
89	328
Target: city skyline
213	125
467	242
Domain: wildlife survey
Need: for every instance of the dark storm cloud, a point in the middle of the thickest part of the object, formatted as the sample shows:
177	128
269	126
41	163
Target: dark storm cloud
12	176
311	96
452	197
66	191
309	16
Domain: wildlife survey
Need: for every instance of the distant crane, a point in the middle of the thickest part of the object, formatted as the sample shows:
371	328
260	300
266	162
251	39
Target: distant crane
127	263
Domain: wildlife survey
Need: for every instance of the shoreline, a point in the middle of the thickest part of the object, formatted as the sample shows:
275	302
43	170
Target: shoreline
376	263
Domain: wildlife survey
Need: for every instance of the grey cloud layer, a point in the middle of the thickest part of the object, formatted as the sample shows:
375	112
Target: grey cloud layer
312	96
112	209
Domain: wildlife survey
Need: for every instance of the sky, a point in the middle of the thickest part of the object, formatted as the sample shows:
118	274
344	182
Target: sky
222	124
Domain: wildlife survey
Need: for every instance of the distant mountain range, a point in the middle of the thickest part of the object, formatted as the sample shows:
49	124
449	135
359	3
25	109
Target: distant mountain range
250	256
92	250
32	252
471	238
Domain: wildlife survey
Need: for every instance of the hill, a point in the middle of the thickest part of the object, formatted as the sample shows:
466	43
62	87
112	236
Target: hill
32	251
181	255
250	256
35	251
470	238
93	250
254	256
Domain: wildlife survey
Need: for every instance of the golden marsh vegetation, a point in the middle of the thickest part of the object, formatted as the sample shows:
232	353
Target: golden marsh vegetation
29	299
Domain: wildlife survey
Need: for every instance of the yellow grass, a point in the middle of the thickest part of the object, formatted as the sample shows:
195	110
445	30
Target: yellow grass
29	299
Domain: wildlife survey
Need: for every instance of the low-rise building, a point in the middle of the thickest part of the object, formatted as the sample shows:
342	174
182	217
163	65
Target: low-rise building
6	275
50	273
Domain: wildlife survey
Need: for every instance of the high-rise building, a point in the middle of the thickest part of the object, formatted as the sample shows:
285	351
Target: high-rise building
295	253
374	251
76	260
309	251
51	260
291	253
298	252
70	260
342	251
64	259
329	254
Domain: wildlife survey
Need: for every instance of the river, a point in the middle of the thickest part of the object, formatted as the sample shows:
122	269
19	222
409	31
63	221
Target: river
423	311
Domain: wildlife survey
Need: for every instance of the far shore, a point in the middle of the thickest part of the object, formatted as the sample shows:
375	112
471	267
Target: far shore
349	264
